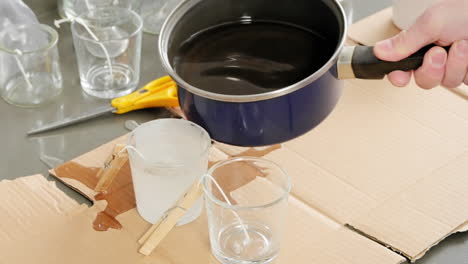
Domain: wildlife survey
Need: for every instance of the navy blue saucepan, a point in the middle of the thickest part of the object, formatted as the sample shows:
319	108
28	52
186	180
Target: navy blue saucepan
283	114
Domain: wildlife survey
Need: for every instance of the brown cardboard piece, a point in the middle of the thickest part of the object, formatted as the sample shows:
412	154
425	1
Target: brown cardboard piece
57	229
373	28
387	170
309	236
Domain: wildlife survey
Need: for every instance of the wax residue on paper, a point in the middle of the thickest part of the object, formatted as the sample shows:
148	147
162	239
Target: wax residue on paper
73	170
119	196
236	175
253	152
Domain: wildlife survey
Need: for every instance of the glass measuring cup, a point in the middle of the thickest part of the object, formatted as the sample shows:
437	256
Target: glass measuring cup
166	157
29	65
108	49
248	228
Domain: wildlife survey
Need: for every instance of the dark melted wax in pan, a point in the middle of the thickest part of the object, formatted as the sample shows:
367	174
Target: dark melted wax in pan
251	58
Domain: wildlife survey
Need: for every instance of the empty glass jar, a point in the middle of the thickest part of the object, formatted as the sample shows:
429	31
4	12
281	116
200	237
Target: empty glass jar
29	65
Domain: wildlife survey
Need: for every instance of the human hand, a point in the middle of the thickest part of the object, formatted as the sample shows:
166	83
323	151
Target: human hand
445	23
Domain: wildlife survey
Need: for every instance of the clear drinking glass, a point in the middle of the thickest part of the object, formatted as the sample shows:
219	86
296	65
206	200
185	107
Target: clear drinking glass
108	49
29	65
246	219
73	8
166	157
155	12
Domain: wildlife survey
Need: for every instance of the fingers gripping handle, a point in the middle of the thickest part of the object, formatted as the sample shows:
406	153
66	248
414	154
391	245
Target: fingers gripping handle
360	62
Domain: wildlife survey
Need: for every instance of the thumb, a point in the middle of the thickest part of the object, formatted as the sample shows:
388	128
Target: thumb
423	32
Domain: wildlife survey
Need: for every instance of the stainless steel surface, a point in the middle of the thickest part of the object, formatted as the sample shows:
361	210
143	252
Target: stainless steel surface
185	21
68	121
344	66
41	7
21	155
51	162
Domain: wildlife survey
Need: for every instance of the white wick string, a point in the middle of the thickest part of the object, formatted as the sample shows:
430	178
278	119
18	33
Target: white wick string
244	229
127	147
81	22
247	236
21	67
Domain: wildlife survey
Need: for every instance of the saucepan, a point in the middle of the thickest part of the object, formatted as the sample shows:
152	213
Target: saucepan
282	114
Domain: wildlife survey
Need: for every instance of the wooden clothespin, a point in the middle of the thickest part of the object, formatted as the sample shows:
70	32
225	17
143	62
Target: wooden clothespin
151	239
112	166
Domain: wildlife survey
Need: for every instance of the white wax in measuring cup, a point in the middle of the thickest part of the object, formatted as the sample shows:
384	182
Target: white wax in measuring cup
166	157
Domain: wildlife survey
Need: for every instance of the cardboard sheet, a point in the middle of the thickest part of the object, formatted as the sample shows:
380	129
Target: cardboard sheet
374	28
57	229
393	176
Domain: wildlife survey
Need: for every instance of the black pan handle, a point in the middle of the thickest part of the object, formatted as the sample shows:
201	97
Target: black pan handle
360	62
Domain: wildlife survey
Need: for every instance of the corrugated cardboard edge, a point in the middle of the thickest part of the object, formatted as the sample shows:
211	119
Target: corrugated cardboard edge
436	220
460	229
77	186
463	228
364	234
89	159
